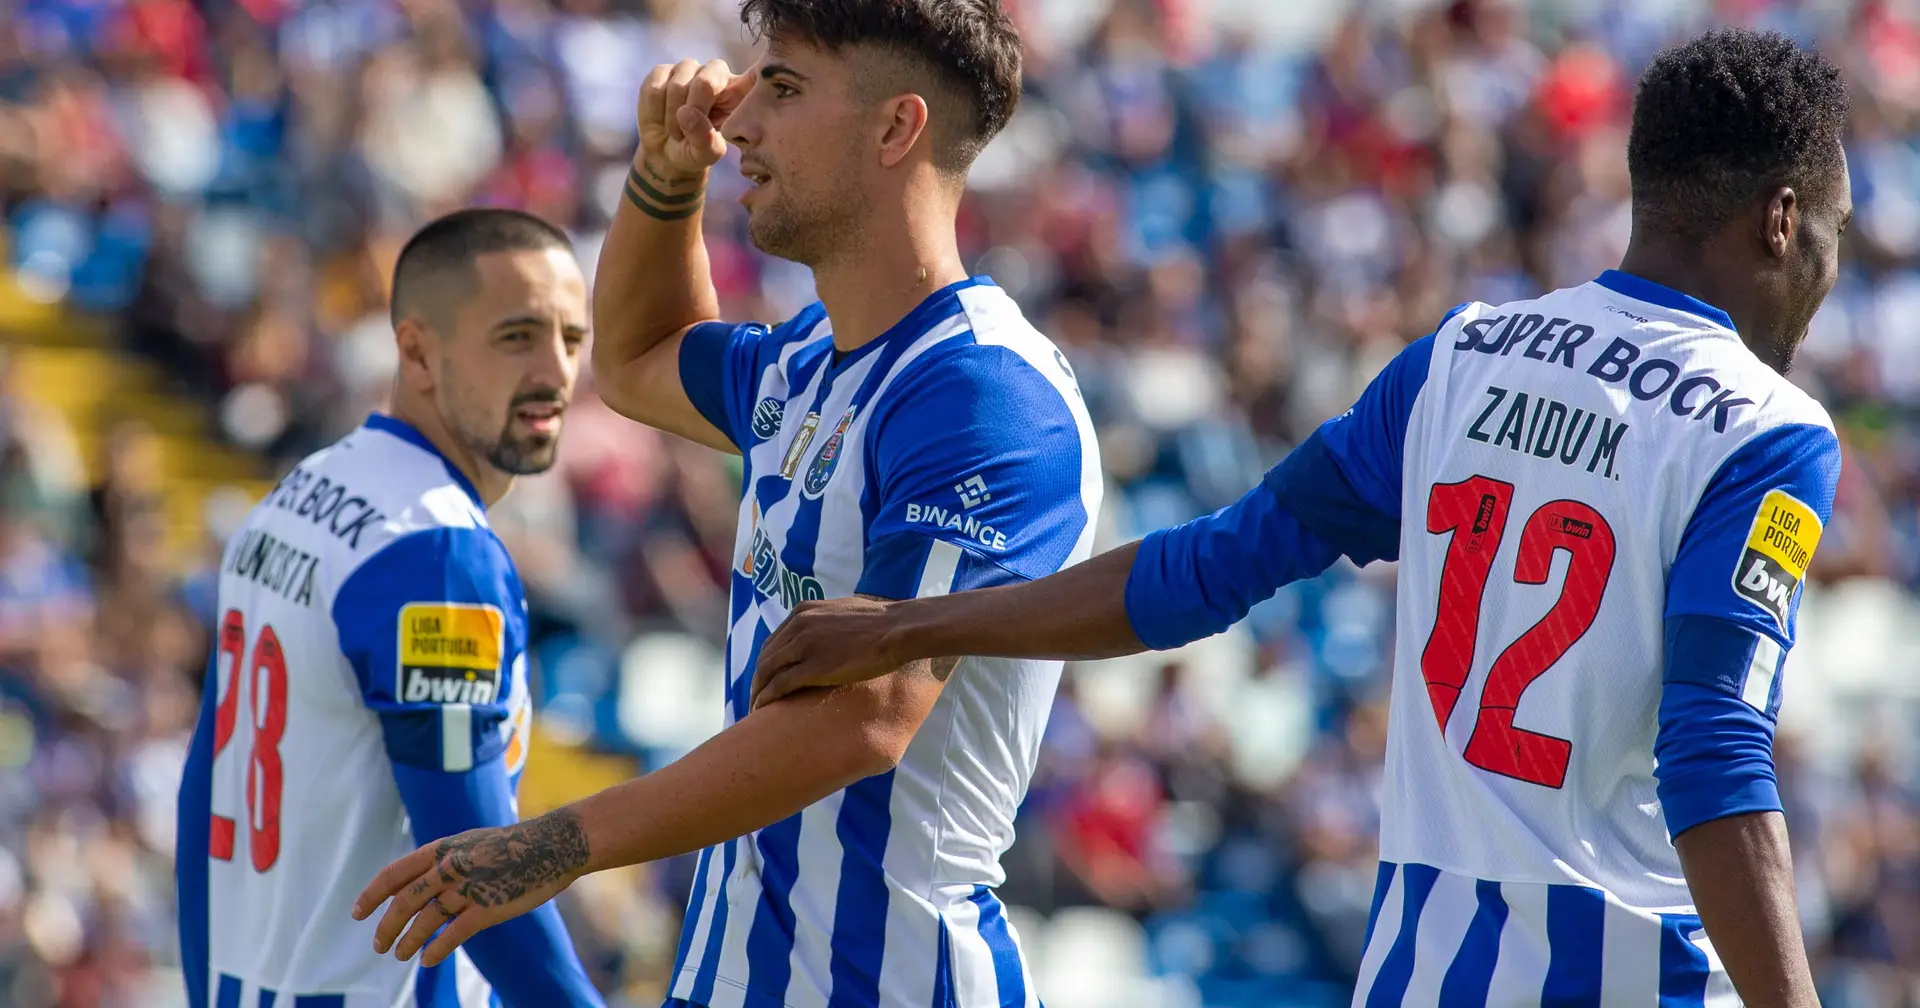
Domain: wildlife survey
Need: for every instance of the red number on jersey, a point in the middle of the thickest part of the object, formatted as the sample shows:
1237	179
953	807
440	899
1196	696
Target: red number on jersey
233	643
266	683
1478	507
264	770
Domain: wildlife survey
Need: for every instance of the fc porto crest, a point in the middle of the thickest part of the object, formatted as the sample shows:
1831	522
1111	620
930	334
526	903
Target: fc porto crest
828	457
766	418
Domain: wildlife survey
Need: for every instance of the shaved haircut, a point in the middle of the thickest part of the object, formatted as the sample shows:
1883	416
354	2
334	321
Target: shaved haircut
435	268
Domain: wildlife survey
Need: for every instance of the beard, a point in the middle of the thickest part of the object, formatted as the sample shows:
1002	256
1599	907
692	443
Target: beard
526	454
514	452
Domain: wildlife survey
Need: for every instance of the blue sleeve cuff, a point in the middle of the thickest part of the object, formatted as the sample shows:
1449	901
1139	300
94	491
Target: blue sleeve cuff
703	373
1714	750
1196	580
530	959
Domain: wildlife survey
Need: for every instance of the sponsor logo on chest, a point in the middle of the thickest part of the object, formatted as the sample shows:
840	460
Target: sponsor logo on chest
770	575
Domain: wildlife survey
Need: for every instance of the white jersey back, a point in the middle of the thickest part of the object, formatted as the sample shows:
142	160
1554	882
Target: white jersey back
952	452
302	808
1556	461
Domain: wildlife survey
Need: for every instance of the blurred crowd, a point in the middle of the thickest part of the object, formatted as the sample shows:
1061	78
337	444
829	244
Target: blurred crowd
1228	216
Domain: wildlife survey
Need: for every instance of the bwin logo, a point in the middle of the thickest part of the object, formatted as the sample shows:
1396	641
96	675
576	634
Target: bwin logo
1761	584
973	493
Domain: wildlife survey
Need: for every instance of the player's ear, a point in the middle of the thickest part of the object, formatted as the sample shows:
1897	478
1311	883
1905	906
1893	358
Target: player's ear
903	119
412	338
1780	221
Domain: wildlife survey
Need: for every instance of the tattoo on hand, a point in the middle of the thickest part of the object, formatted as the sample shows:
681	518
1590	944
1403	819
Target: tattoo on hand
500	866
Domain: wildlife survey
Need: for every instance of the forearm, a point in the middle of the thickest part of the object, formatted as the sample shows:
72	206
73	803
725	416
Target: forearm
653	279
1741	875
768	766
529	960
1078	614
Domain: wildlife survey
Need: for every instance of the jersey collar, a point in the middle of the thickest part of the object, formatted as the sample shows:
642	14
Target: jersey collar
1642	289
411	435
936	307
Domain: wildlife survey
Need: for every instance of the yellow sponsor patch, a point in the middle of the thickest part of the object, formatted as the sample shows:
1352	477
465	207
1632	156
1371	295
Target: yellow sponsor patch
1780	545
450	652
451	635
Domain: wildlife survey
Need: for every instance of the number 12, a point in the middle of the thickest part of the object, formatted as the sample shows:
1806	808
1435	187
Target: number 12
1474	513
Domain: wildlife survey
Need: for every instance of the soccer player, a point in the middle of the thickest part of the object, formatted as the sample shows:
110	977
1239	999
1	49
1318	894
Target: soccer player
1603	502
369	689
909	435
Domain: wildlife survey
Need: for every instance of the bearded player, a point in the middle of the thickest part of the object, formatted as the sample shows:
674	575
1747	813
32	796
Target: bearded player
369	692
1603	502
909	435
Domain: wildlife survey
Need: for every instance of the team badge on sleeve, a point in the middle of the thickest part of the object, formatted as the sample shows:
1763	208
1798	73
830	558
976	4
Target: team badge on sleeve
1780	544
450	652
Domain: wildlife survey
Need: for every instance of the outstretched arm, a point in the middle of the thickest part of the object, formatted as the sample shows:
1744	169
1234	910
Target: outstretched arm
768	766
1178	585
1337	494
1076	615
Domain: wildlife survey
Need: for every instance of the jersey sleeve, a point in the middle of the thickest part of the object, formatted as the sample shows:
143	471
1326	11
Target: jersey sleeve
979	474
721	364
1343	482
1195	580
435	631
1733	595
1336	494
434	628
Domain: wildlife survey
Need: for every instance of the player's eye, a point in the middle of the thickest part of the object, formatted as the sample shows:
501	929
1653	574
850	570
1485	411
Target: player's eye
784	90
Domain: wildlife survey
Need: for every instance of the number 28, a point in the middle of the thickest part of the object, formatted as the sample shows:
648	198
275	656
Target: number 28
266	682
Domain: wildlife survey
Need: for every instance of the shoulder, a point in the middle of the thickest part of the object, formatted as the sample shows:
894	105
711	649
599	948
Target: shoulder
451	576
387	503
985	356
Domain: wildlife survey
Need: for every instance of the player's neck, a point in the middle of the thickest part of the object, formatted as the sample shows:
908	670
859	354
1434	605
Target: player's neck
1691	271
490	483
874	286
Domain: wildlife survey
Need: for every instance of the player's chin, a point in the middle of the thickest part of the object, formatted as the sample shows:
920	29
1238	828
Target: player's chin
527	453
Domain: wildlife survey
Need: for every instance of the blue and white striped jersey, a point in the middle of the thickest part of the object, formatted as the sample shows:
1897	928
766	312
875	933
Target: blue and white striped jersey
1603	505
952	452
368	695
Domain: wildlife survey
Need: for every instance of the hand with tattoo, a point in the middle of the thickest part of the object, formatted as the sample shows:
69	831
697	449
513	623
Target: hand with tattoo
683	107
472	881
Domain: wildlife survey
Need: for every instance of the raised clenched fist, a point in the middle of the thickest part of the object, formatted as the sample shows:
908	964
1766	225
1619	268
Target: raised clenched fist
682	107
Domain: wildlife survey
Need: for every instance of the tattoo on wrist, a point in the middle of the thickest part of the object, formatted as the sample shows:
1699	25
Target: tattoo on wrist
501	866
666	199
660	205
645	206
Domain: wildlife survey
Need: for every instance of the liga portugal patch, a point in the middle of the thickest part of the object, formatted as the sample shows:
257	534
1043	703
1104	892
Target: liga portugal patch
450	652
1780	545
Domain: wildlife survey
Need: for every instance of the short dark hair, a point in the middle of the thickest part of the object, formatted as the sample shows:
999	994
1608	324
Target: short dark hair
1717	119
970	46
445	248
